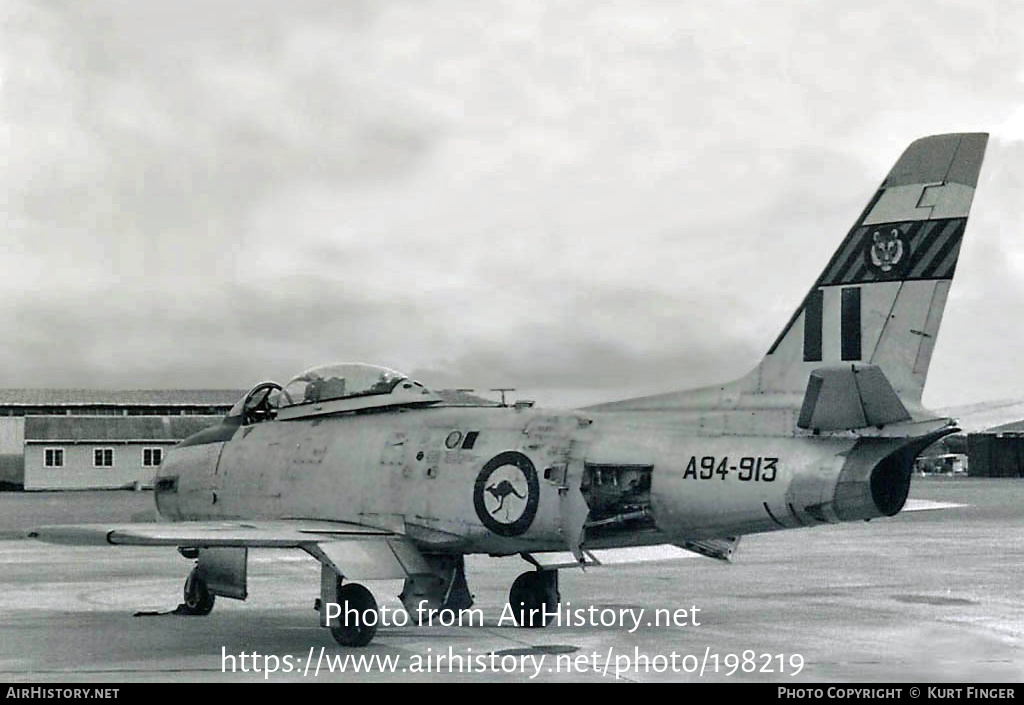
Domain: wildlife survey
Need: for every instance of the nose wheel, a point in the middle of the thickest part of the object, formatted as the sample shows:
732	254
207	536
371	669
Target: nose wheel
534	598
197	599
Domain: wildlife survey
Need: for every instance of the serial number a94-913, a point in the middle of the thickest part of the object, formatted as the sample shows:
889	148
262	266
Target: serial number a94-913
747	469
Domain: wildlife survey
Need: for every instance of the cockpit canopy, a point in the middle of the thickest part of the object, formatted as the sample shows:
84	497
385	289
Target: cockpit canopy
349	387
340	381
332	389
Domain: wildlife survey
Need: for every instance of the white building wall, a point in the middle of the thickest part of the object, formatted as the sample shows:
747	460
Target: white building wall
79	473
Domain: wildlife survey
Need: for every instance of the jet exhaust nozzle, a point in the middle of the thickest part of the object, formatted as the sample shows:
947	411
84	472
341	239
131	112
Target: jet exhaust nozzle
875	481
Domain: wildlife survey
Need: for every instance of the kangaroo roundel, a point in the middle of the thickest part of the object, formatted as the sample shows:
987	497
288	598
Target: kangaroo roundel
506	493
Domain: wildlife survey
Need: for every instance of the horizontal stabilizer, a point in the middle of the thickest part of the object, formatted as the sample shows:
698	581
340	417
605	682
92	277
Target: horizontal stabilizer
627	555
927	505
850	396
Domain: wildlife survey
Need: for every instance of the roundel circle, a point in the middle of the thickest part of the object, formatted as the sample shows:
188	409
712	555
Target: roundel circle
506	493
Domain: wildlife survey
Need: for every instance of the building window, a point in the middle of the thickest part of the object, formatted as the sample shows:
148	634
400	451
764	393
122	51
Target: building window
103	457
53	457
151	457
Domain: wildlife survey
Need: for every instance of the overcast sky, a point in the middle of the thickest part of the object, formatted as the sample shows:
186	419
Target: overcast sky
596	199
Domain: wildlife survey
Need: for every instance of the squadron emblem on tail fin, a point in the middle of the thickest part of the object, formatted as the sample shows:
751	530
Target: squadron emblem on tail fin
886	249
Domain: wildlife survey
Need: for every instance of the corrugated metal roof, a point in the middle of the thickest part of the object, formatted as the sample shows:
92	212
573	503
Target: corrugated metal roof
119	397
114	428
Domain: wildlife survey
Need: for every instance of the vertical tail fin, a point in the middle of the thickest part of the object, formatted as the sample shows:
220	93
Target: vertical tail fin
879	300
881	297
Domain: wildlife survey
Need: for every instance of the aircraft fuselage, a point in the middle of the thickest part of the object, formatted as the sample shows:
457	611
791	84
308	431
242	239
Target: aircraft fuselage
507	480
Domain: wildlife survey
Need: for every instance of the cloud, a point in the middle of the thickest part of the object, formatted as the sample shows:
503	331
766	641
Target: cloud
600	194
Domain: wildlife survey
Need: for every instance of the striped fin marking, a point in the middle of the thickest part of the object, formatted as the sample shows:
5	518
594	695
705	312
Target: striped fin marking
933	251
933	247
850	324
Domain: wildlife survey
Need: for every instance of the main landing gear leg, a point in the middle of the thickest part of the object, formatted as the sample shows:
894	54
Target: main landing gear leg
445	588
534	598
349	610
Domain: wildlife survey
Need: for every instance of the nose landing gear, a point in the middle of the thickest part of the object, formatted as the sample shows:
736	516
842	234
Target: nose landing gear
197	600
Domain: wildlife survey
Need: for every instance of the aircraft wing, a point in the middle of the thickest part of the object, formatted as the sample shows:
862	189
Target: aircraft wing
286	533
355	551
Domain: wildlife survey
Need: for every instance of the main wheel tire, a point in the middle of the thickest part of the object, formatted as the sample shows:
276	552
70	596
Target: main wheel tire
196	599
528	598
355	596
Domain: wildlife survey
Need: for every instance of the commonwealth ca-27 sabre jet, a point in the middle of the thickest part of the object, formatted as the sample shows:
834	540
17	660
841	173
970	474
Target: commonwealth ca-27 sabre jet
376	477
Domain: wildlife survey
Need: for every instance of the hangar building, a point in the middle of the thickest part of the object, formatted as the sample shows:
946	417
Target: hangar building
997	452
88	438
59	439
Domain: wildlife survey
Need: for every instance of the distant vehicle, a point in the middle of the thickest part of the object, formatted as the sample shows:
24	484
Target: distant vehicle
372	475
945	464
